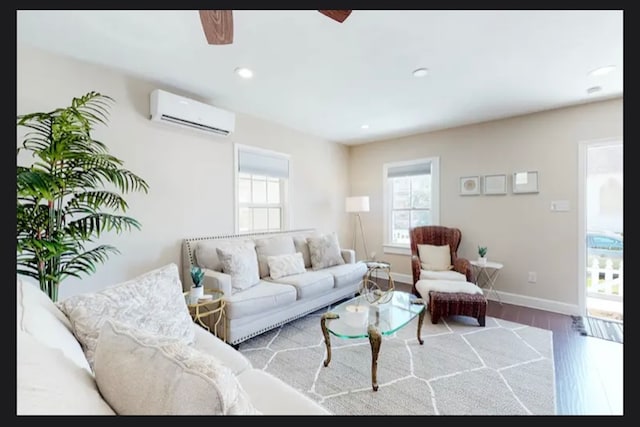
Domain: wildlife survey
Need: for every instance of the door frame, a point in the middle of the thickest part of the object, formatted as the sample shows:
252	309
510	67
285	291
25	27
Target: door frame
582	214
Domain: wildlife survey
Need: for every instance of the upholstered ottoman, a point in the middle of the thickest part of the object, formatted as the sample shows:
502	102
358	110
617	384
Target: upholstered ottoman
443	304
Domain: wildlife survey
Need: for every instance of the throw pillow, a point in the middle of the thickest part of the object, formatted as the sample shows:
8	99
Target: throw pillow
435	258
143	374
303	247
324	251
279	245
152	302
285	265
241	263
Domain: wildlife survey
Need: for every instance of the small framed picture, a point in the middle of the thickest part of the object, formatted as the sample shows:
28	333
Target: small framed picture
469	185
525	182
495	184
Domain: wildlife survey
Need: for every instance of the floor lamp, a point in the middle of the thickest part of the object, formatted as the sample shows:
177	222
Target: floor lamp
356	205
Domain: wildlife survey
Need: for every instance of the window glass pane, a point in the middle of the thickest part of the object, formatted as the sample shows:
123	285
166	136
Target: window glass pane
401	193
273	191
259	189
274	218
400	226
420	217
244	190
260	219
245	219
421	191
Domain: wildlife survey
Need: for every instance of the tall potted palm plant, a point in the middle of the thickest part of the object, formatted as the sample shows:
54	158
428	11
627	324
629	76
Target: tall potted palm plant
70	194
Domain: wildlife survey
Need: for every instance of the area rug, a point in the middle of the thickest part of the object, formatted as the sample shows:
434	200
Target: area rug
599	328
504	368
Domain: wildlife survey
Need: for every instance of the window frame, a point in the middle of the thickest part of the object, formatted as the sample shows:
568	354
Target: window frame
405	248
285	184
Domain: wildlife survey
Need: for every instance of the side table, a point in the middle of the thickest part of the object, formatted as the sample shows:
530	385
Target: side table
370	286
486	275
212	307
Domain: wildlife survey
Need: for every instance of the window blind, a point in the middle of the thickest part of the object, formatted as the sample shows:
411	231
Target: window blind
409	170
257	163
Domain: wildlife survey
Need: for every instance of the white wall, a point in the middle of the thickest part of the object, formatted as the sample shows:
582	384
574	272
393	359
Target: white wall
519	230
190	174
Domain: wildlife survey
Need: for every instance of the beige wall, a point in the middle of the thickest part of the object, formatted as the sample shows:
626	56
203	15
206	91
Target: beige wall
190	174
520	230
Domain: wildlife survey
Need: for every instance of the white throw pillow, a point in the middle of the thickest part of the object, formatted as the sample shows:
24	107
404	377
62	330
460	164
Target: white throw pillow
435	258
241	263
324	251
279	245
285	265
153	302
143	374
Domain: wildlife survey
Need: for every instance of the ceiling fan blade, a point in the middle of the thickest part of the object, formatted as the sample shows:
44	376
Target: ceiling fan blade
336	15
217	26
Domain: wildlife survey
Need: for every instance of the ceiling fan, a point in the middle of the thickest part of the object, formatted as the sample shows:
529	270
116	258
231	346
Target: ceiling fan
218	24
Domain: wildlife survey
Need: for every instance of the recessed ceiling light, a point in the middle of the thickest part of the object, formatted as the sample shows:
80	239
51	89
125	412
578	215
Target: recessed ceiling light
602	70
594	89
245	73
364	127
420	72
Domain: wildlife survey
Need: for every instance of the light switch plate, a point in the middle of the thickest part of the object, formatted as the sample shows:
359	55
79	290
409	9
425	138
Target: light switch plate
560	206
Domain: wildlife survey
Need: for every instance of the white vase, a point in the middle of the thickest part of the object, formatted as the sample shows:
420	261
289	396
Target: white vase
195	294
482	260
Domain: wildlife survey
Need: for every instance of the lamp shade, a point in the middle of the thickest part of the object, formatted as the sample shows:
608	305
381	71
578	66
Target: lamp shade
357	204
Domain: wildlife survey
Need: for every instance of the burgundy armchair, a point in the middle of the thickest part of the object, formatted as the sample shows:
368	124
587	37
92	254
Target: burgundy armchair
438	236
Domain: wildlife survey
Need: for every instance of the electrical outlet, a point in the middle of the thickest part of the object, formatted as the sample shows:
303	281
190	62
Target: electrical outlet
532	277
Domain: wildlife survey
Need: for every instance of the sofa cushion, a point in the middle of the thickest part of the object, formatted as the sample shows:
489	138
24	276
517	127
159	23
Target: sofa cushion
425	286
347	274
285	265
40	317
278	245
206	254
49	383
140	373
442	275
264	296
303	247
272	396
241	263
208	343
324	251
435	258
309	283
152	302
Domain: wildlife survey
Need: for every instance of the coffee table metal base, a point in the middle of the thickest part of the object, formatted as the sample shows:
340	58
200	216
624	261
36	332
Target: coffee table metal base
375	340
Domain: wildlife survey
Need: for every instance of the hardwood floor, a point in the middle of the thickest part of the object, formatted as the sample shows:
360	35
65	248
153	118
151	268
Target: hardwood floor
589	371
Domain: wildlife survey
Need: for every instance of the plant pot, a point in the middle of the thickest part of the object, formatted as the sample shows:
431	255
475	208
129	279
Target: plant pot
482	260
195	294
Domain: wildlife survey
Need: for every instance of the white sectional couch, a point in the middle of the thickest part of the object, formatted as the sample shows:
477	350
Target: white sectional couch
54	377
271	302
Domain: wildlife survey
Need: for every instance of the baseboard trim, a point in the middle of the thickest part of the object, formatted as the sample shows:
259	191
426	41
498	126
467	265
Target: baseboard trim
515	299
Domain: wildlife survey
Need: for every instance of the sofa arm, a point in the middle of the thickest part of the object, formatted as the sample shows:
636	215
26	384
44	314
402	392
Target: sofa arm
348	255
217	280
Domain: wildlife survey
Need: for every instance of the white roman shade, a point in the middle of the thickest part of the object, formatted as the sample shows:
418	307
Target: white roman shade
263	163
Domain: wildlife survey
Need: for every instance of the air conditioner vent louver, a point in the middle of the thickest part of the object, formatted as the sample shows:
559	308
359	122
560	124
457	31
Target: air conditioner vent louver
184	112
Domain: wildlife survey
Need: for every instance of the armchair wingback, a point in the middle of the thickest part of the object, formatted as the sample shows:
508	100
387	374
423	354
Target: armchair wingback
437	235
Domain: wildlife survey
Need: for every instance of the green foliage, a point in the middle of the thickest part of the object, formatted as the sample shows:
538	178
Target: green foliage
197	275
482	251
63	202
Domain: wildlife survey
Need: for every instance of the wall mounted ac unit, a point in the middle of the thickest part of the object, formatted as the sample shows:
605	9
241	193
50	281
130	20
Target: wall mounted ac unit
184	112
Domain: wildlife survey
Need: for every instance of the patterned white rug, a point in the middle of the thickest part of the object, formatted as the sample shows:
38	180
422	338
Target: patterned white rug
504	368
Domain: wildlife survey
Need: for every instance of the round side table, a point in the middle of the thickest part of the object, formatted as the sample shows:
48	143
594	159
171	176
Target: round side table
212	304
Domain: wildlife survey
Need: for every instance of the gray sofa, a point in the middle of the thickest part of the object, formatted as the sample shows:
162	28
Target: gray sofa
270	303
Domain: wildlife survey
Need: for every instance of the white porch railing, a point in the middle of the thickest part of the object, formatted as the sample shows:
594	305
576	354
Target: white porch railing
611	287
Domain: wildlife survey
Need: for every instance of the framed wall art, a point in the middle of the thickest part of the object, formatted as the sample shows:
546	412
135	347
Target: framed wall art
525	182
495	184
469	185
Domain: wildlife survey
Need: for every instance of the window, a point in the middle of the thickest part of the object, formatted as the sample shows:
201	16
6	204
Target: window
261	190
411	193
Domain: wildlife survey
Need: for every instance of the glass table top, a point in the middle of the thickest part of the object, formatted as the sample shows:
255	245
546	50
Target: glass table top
357	314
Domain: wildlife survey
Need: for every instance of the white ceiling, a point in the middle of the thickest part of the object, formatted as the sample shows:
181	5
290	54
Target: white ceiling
327	79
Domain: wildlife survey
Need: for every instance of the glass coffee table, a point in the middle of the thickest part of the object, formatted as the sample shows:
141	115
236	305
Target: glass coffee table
357	318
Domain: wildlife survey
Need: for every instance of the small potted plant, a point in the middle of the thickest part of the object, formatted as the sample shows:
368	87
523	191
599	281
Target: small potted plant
482	252
197	290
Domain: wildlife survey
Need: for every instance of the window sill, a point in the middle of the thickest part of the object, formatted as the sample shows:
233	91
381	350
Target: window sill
396	249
